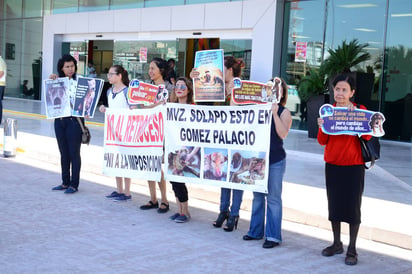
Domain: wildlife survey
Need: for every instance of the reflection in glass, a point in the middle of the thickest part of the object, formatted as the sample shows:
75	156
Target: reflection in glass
126	4
135	56
95	5
32	8
398	69
239	49
162	3
65	6
12	9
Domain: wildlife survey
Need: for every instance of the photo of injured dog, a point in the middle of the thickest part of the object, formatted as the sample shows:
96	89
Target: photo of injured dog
215	164
184	161
246	167
376	124
57	98
89	98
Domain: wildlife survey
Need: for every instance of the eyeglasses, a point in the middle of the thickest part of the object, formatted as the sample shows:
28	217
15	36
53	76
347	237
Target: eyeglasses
111	74
181	87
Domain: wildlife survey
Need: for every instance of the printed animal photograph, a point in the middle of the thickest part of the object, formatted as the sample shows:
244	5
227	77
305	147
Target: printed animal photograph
215	164
57	98
89	98
247	166
185	161
376	124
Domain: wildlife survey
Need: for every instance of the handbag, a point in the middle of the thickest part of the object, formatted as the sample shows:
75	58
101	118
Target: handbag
86	136
370	150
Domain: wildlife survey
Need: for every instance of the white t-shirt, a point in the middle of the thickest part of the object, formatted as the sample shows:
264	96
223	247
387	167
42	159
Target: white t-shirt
117	100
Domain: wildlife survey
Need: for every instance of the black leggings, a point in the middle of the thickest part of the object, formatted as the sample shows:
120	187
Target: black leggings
180	190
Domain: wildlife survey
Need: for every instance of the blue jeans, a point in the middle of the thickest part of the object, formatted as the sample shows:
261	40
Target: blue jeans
225	200
69	139
274	206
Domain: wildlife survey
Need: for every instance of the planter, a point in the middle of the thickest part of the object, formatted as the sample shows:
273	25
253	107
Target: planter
313	105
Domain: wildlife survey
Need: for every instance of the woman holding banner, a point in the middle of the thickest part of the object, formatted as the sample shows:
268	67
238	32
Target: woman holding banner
344	174
232	68
158	72
117	98
281	123
68	131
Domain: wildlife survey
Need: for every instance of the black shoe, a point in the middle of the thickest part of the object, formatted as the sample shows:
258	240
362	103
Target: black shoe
164	209
70	190
270	244
60	187
149	205
231	223
332	250
351	258
221	218
248	238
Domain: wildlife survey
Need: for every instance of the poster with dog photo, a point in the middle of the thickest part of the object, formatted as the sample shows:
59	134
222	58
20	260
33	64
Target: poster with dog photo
339	120
87	96
250	92
220	146
210	85
57	97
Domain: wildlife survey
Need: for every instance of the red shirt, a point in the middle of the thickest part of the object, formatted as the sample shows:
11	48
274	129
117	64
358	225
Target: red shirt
342	150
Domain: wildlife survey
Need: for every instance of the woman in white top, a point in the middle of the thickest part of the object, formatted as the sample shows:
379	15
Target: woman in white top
117	98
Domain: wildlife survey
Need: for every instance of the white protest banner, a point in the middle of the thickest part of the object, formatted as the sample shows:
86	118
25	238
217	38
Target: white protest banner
133	143
225	146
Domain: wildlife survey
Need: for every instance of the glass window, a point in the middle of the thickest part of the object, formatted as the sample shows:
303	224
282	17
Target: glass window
188	2
305	27
12	9
126	4
135	56
162	3
31	55
239	49
47	7
13	48
32	8
397	97
65	6
95	5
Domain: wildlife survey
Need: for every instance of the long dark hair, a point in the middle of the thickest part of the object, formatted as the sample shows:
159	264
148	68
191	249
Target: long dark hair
60	64
163	66
125	75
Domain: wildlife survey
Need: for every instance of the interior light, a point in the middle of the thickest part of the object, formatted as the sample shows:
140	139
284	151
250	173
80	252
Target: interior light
401	14
356	6
365	30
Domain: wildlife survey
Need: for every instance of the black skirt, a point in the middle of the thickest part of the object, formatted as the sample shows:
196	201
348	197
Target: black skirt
344	188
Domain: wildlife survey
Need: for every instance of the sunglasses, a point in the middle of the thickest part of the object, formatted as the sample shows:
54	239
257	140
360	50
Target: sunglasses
181	87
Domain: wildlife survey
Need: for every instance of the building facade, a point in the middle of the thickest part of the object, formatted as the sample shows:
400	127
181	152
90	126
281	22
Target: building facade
274	38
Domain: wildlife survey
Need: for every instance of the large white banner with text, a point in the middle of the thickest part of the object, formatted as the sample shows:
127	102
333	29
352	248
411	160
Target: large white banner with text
225	146
133	143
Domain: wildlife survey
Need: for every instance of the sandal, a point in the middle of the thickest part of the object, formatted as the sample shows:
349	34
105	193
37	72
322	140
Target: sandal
351	258
149	205
164	209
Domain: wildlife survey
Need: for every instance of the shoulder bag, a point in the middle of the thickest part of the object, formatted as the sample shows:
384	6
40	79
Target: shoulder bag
86	136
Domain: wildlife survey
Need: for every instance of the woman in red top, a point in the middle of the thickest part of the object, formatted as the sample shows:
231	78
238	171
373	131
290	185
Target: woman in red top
344	172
